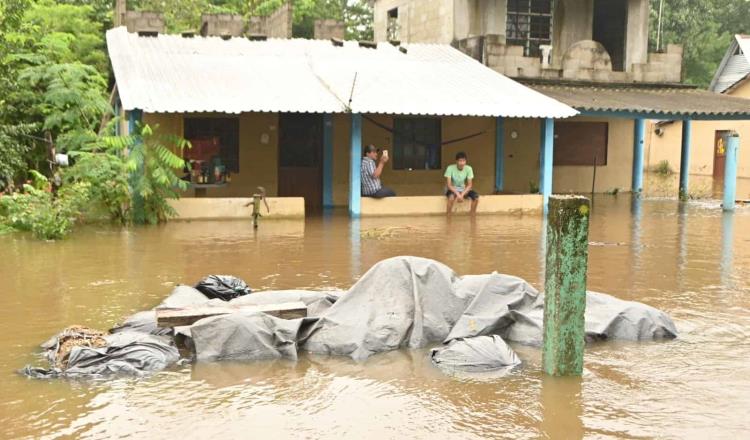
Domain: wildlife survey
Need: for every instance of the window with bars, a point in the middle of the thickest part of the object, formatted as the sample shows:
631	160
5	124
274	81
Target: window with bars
529	24
416	144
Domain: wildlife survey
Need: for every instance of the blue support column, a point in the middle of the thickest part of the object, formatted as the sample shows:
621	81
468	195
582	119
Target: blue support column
135	117
685	158
499	154
546	159
327	160
355	165
730	171
639	134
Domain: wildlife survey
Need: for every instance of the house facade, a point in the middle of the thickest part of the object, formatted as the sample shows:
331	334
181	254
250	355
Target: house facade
292	116
732	78
590	54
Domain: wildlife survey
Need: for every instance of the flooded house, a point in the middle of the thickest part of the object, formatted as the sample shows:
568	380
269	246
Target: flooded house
732	78
293	115
590	54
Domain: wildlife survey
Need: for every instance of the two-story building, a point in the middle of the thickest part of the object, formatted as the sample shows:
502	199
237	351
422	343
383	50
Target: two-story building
590	54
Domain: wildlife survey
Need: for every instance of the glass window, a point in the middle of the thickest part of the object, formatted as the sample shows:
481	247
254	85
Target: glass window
416	144
212	137
529	24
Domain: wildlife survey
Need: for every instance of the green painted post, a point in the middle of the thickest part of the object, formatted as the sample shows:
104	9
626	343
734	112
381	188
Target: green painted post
565	285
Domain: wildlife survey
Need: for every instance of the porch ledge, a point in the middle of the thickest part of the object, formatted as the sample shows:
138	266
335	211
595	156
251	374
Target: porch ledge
426	205
213	208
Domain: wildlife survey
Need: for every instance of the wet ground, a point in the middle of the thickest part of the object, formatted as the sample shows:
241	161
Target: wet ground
687	259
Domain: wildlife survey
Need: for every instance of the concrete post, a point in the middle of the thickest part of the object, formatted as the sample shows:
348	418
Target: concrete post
730	171
499	154
565	285
639	133
546	158
685	158
327	160
355	165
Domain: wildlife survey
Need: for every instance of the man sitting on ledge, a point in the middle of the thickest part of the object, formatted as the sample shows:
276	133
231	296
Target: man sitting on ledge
459	180
372	168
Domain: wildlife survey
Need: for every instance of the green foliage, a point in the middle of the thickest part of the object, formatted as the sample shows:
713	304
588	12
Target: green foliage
663	168
705	29
153	163
107	176
48	216
14	146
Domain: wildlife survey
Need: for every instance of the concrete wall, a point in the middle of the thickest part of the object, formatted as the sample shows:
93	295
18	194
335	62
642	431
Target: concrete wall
668	145
435	205
573	22
222	25
636	45
190	208
279	23
329	28
143	21
419	20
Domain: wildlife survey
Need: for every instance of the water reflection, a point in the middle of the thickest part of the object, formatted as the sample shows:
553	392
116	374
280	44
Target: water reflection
562	407
727	248
691	261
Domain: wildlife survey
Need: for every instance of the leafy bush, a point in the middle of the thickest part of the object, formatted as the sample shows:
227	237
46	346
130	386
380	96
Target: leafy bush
663	168
47	215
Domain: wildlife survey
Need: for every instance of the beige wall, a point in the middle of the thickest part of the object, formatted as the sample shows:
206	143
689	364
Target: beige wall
419	20
480	151
668	145
258	160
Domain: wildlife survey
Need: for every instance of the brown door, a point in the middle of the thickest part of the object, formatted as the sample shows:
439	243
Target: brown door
720	152
300	158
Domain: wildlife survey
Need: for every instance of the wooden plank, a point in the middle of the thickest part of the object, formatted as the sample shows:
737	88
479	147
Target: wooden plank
189	315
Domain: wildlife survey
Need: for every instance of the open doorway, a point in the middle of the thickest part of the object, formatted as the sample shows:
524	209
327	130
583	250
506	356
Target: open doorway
301	158
610	29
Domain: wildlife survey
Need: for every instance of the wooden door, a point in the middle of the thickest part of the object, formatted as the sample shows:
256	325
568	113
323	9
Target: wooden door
301	158
720	153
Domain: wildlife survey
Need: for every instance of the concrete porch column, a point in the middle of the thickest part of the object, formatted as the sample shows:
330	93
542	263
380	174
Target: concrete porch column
499	154
327	160
685	158
639	134
355	165
730	172
546	157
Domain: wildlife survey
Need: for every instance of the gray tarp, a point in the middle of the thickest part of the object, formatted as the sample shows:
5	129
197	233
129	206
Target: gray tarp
125	353
401	302
481	353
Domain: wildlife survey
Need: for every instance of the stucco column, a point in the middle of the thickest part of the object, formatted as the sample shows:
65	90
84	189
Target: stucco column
639	134
685	158
730	171
546	158
355	165
327	160
499	154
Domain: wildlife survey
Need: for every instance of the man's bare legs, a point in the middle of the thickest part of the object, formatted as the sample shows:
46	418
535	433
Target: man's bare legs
474	204
451	200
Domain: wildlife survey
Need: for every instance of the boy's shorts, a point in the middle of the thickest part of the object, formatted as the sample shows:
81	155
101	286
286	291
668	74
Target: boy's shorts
473	195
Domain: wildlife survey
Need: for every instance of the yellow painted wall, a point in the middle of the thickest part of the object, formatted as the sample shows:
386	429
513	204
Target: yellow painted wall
617	174
667	146
258	160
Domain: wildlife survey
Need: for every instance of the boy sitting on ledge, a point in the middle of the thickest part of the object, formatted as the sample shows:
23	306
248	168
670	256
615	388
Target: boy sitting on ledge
459	180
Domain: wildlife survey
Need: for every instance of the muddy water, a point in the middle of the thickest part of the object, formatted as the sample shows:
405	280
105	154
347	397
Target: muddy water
691	261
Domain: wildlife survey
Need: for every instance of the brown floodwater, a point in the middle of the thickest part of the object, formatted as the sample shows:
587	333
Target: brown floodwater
689	260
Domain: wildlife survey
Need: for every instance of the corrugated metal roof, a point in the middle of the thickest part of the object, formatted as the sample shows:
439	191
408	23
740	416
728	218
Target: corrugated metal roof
666	102
169	73
734	67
